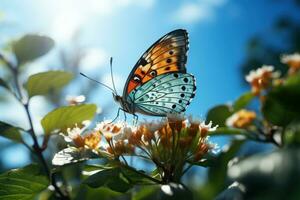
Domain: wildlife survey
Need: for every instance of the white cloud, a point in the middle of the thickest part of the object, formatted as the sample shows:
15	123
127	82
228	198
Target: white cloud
68	15
94	59
193	12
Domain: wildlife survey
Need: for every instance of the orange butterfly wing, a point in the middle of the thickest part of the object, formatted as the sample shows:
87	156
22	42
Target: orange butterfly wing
166	55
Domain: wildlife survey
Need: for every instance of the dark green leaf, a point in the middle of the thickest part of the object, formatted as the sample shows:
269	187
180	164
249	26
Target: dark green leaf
101	178
10	132
242	101
30	47
219	114
269	175
217	172
134	176
62	118
112	178
172	191
291	135
147	193
25	183
282	103
46	82
72	155
104	193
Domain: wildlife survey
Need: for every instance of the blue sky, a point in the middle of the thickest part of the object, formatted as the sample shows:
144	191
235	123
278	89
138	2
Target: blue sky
124	29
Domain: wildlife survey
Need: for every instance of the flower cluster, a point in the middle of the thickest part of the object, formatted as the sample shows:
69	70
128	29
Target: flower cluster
89	140
241	119
261	78
169	144
293	62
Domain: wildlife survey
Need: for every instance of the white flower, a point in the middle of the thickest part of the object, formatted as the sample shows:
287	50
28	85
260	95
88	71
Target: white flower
108	129
230	121
290	58
260	72
75	100
208	127
72	133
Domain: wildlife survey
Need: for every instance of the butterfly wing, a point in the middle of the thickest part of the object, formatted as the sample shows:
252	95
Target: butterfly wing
166	55
166	93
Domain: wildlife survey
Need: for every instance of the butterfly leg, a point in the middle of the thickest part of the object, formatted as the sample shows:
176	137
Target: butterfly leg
118	113
125	116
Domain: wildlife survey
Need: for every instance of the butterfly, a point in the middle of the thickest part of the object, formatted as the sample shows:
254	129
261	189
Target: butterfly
158	83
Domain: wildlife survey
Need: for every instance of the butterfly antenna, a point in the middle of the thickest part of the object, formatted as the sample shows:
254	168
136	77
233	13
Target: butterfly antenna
111	74
82	74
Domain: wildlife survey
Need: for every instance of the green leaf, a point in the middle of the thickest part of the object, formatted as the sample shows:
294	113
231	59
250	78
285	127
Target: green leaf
25	183
101	178
219	114
269	175
72	155
281	106
86	192
46	82
112	178
30	47
242	101
217	173
10	132
64	117
172	191
147	193
291	135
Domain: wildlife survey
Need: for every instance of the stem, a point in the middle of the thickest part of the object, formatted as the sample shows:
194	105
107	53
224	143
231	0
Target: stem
39	153
36	148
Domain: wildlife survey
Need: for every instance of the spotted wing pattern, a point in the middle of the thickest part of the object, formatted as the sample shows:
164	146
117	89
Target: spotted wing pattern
167	93
166	55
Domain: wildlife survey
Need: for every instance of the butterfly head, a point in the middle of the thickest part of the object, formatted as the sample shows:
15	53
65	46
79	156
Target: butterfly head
117	98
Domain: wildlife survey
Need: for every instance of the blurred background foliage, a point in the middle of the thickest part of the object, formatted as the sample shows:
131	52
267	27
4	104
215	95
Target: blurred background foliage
269	174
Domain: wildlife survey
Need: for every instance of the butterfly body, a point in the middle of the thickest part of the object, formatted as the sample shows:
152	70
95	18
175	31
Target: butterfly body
158	84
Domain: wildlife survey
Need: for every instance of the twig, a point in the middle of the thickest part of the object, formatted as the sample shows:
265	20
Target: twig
36	148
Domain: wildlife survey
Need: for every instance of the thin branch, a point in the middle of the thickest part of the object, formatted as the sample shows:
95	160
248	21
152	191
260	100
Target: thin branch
36	148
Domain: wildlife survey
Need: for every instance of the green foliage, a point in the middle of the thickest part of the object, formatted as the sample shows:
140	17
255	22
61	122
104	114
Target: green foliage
86	192
113	178
46	82
64	117
282	103
217	173
243	101
30	47
25	183
10	132
170	191
291	136
219	114
269	176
